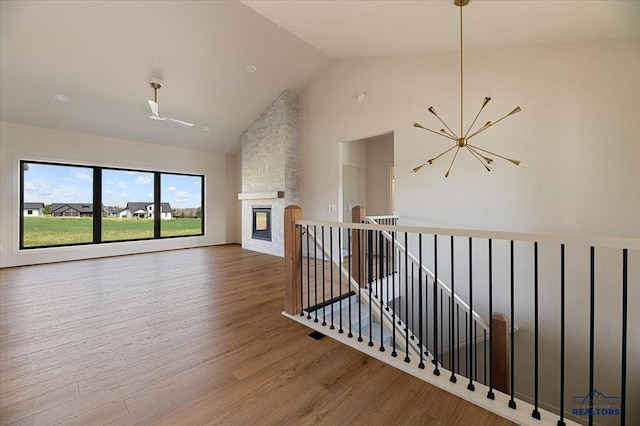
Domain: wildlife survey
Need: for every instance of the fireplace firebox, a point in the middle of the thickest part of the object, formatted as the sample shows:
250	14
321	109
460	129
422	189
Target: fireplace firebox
261	223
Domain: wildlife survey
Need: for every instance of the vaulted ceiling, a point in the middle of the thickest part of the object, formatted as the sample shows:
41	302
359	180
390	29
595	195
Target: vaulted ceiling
101	54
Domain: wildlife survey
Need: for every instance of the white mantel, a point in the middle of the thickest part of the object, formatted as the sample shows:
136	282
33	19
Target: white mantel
260	195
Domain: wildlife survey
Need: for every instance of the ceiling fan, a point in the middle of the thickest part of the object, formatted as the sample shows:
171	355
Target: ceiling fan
153	104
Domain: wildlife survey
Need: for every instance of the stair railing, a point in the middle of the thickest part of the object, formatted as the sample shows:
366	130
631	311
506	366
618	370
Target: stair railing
535	270
384	220
367	295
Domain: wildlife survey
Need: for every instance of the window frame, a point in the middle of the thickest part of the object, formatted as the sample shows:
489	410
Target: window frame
97	211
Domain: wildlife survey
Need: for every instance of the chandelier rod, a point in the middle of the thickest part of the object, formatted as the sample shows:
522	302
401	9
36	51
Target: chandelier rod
461	78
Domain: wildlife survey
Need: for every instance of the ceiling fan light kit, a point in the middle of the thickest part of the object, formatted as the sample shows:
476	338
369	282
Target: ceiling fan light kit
153	104
462	139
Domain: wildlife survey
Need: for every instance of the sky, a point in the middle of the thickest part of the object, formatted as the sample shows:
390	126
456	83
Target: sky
44	183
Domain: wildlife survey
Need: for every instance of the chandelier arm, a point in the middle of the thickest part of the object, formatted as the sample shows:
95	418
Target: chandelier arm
514	111
448	134
433	111
416	169
478	158
486	159
452	161
480	130
511	160
475	119
419	126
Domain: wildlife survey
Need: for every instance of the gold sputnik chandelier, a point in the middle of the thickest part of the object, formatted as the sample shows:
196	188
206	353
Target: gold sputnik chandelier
462	139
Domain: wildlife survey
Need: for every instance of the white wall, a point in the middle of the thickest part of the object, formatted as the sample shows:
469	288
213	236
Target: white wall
578	136
36	143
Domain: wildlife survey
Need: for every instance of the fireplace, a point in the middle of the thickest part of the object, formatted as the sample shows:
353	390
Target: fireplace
261	223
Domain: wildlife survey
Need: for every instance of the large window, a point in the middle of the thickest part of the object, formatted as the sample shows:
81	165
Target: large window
127	198
181	201
63	198
63	204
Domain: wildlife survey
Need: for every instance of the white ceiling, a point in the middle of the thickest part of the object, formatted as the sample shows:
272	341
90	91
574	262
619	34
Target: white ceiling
102	53
353	28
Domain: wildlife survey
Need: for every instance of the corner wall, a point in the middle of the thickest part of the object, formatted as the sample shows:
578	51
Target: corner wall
270	164
37	143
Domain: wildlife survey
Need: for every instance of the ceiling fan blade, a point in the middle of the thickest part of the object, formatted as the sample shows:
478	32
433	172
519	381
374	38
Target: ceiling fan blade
154	108
182	123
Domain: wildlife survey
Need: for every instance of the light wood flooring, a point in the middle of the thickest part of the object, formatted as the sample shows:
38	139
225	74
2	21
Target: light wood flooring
188	337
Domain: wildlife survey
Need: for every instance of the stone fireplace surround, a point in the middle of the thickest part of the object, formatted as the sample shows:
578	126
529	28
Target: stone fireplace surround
270	170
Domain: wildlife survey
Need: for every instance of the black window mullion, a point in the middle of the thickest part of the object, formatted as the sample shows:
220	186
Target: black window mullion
202	216
156	204
97	205
23	164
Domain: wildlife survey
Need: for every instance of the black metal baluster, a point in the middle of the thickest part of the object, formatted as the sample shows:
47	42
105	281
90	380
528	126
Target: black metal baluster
406	297
623	365
370	281
413	301
421	364
490	393
426	310
393	293
361	277
301	275
466	346
470	338
349	278
535	413
308	275
442	327
452	321
592	315
381	265
331	276
457	346
387	259
475	349
512	402
561	420
340	330
484	345
315	272
324	312
436	370
376	274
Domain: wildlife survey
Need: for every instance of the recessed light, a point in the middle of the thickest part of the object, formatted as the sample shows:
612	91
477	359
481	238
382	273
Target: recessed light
206	128
62	98
361	97
251	68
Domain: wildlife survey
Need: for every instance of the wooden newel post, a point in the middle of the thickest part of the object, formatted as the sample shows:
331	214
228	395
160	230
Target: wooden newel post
292	260
500	340
357	246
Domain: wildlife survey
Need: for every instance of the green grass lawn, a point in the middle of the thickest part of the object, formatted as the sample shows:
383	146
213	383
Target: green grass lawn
48	231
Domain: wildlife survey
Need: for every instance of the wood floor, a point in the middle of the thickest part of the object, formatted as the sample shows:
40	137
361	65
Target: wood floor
188	337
